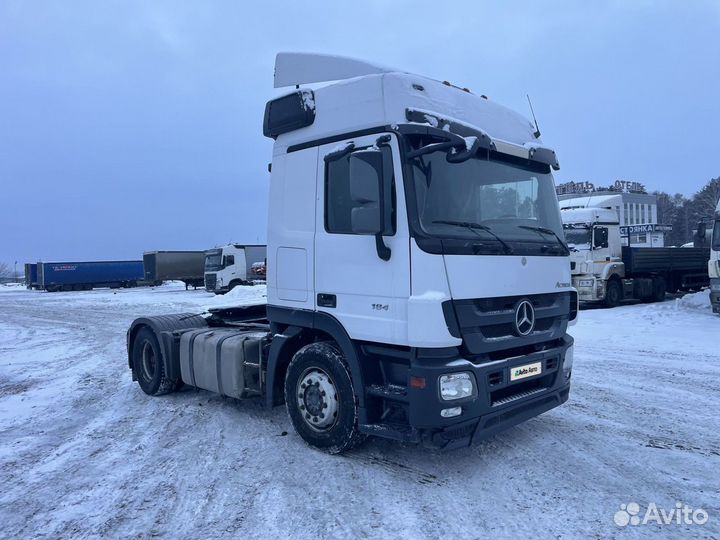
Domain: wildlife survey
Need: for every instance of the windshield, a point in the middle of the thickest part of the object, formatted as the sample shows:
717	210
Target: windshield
213	260
497	201
716	236
580	236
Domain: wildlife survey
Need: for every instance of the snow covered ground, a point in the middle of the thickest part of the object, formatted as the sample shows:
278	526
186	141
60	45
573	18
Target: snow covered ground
84	453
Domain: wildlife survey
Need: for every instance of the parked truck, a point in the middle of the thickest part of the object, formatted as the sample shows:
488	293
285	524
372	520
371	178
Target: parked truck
604	271
232	265
86	275
419	286
714	263
31	276
185	266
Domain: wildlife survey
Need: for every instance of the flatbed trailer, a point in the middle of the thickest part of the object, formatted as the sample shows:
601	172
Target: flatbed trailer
681	268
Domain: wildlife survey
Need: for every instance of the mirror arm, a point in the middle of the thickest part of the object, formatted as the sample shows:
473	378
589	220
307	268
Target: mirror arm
339	154
382	250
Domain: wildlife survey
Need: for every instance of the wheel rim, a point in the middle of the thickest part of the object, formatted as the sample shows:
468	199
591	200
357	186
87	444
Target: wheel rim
148	361
317	399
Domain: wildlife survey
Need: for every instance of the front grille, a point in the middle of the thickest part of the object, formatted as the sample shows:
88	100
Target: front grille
487	325
210	281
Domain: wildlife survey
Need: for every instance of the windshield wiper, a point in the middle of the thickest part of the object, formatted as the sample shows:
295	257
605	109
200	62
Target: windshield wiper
547	231
474	227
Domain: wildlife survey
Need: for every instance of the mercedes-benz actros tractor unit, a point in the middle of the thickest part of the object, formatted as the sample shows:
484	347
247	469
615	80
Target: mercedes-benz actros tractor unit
418	283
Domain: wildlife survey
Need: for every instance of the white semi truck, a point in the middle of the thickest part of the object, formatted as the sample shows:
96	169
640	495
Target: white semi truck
232	265
605	271
418	286
714	263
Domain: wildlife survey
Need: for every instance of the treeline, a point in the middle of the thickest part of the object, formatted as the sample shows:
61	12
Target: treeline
683	213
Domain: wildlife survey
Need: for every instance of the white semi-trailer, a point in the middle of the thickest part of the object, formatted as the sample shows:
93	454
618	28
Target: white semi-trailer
418	284
714	263
232	265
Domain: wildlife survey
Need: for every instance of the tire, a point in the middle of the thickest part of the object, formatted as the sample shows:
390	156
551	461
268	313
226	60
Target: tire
314	372
613	294
659	290
235	283
148	364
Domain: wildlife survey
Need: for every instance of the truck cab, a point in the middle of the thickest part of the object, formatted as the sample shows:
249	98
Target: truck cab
232	265
418	286
714	263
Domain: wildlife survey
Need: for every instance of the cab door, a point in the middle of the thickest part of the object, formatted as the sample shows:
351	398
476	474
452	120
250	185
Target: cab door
366	294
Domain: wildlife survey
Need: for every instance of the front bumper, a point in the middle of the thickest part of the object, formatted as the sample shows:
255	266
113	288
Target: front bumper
715	294
497	404
589	289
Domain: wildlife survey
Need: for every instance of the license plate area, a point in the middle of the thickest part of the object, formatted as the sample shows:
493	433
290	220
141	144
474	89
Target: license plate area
526	371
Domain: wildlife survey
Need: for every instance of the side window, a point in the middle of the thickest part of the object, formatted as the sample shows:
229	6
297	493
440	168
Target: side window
229	260
601	237
339	204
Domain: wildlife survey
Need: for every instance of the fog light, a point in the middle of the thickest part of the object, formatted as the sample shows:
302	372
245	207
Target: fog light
449	413
586	282
456	386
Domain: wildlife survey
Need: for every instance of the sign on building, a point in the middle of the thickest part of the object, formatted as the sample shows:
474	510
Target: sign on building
647	228
620	186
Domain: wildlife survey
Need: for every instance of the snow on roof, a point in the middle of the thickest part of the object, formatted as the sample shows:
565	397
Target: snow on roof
382	98
588	215
593	201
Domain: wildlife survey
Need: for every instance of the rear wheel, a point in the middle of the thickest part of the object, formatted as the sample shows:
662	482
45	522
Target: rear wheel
613	294
148	364
659	290
320	399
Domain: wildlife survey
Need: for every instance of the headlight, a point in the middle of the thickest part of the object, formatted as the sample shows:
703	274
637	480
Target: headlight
585	283
715	287
456	386
568	362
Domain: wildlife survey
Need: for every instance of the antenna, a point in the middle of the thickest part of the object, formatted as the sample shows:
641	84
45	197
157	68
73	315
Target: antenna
537	128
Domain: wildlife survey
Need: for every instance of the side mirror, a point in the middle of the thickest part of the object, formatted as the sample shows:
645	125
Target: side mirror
366	191
600	237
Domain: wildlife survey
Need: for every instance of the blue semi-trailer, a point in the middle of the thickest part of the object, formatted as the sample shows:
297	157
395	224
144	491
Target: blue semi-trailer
79	276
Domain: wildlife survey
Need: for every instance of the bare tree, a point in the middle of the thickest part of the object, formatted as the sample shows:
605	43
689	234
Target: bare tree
6	270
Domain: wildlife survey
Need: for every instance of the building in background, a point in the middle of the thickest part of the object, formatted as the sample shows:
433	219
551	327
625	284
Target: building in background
636	209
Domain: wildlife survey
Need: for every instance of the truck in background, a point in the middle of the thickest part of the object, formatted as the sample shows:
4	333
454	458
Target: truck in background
714	263
31	276
185	266
605	271
86	275
419	286
232	265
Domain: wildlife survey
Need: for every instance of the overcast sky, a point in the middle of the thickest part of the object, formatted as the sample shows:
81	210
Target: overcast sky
134	126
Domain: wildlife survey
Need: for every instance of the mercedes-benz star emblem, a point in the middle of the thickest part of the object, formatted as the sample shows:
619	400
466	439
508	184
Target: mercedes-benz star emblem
524	318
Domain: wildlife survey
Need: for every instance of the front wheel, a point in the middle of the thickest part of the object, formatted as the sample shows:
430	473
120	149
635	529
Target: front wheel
320	399
613	294
148	364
